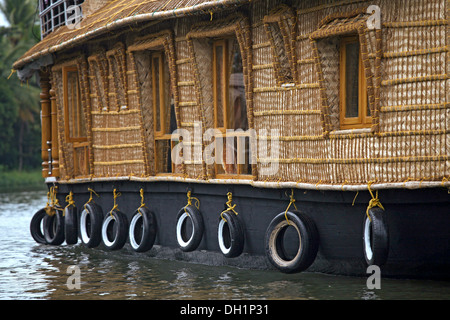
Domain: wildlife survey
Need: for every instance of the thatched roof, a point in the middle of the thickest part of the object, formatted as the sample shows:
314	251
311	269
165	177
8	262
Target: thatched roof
116	14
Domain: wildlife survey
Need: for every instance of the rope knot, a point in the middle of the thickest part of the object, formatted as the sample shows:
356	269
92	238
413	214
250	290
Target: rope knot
141	192
189	202
189	199
115	196
374	202
291	202
52	202
91	191
69	201
230	207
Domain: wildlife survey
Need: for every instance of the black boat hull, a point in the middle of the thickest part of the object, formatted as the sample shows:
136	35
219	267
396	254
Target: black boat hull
418	222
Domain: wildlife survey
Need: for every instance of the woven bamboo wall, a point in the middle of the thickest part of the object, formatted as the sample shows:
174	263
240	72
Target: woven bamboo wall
412	141
190	99
409	139
117	144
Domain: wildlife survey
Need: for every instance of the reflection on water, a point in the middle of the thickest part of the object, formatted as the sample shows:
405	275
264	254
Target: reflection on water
32	271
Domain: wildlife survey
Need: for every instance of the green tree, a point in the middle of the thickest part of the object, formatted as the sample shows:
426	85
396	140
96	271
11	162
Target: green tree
19	103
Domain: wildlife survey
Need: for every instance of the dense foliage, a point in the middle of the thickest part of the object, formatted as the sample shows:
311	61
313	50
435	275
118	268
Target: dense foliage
19	102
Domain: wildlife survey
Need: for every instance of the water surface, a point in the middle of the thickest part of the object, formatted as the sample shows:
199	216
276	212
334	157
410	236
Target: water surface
33	271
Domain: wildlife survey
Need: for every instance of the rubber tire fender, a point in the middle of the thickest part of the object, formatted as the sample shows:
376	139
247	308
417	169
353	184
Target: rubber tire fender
149	230
71	224
308	245
94	237
376	237
236	235
54	228
314	234
120	226
35	226
197	228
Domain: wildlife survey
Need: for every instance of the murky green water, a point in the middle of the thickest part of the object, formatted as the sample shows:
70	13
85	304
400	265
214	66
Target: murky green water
32	271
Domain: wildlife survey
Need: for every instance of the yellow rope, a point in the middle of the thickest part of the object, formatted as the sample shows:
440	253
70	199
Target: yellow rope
189	202
48	207
91	191
52	202
116	195
444	180
142	201
50	211
70	201
230	207
374	202
354	199
292	202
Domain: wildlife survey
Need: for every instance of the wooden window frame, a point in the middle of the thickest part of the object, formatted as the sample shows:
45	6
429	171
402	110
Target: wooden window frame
363	120
161	134
239	167
69	138
77	142
162	99
224	45
225	106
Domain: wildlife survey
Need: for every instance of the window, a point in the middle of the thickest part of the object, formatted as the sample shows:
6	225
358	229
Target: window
230	109
354	109
347	47
164	115
55	13
75	121
74	117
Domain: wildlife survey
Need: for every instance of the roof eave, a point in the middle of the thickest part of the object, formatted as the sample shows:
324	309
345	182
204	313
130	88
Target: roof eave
159	15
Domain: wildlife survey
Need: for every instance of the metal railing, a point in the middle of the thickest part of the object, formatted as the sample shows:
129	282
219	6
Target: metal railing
55	13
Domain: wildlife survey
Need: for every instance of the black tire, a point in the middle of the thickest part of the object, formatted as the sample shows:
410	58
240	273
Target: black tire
197	228
142	231
90	224
54	228
35	226
115	230
308	242
376	237
71	224
314	234
230	234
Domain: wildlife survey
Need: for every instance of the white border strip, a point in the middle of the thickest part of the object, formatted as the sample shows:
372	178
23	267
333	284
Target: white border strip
269	185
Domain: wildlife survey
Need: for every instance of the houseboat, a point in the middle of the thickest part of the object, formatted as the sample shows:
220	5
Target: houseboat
307	135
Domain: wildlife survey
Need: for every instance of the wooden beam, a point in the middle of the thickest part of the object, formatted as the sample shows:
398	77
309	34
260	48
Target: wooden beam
54	134
45	122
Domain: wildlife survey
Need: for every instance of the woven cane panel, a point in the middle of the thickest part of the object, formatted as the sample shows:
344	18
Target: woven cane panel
414	105
57	84
408	141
